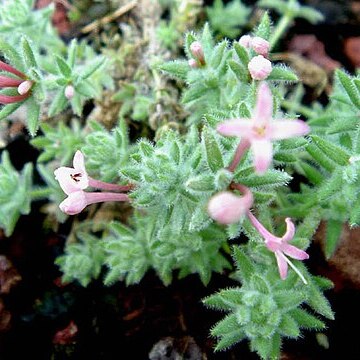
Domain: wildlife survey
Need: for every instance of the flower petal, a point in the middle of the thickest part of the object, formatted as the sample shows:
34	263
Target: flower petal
64	176
236	127
264	106
294	252
74	203
79	161
282	264
284	129
290	230
262	152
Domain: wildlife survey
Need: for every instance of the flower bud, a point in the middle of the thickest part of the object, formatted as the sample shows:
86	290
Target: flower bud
74	204
197	51
259	67
193	63
260	46
24	87
245	41
69	92
227	208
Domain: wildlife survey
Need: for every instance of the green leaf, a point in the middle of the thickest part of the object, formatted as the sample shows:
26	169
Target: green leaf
9	109
201	183
332	151
289	327
281	73
92	67
240	72
349	87
263	30
28	55
305	320
177	69
333	232
243	263
33	116
218	54
212	150
242	54
63	67
11	55
58	104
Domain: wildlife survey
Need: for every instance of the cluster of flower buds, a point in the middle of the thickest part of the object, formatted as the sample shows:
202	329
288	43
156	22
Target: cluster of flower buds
257	134
74	181
198	54
259	66
19	81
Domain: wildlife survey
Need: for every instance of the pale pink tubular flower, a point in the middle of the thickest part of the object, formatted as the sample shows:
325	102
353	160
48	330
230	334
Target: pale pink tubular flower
9	99
73	179
77	201
8	68
227	208
280	246
259	67
9	82
76	178
261	129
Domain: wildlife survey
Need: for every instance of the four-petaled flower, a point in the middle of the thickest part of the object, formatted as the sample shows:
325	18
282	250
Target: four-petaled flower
280	246
259	131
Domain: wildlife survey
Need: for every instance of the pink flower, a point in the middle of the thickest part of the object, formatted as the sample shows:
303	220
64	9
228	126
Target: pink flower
227	208
73	179
280	246
260	45
259	67
260	131
77	201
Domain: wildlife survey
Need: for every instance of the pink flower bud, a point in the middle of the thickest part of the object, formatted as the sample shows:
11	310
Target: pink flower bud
24	87
227	208
193	63
259	67
260	46
197	51
69	92
245	41
74	204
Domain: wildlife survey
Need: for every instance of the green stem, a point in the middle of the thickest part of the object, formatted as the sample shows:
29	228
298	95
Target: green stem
280	28
40	193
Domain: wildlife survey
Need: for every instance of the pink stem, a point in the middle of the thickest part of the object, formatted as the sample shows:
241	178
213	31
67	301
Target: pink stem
9	82
268	236
239	152
98	184
96	197
6	99
10	69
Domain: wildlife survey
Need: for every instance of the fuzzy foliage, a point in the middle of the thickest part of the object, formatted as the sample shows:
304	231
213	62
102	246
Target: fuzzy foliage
266	309
14	193
131	251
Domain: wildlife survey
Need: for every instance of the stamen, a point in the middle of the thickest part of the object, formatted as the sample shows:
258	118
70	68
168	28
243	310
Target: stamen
293	267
